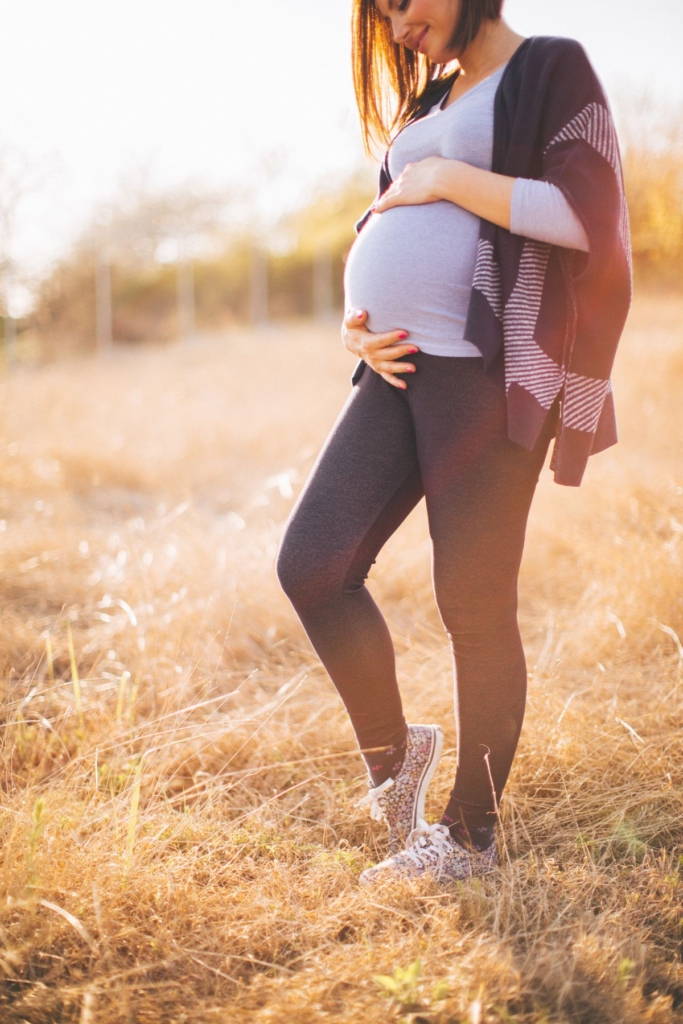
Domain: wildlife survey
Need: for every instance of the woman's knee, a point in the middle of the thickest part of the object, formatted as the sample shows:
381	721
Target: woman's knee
307	580
474	611
288	569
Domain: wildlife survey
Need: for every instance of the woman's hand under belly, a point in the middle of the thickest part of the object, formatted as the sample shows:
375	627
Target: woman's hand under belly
381	352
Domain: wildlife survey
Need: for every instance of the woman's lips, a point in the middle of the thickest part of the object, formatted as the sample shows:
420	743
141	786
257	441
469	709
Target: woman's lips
420	40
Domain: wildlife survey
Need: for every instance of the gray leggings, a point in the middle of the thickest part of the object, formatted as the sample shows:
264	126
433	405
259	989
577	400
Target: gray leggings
444	438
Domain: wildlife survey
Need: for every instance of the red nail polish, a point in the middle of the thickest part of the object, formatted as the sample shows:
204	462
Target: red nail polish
414	351
403	335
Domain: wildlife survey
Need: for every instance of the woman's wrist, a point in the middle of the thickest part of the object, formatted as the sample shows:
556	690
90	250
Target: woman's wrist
446	177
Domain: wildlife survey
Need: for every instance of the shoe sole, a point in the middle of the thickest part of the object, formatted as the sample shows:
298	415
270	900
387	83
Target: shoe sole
440	880
427	772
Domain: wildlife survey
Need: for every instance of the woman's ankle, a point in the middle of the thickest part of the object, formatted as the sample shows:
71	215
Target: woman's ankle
473	834
386	764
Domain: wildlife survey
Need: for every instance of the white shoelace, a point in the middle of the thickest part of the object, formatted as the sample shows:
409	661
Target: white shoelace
372	799
427	842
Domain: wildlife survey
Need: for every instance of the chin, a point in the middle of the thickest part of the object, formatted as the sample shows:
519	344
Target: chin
440	55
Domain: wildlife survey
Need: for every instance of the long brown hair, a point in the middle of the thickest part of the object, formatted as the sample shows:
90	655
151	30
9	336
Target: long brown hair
389	79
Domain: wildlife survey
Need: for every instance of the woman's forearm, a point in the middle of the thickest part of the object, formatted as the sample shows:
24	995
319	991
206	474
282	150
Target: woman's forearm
483	193
534	209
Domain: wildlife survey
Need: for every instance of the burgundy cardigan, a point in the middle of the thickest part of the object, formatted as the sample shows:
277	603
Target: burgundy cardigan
547	320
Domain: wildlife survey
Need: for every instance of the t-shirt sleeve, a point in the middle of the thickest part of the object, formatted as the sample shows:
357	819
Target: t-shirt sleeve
540	211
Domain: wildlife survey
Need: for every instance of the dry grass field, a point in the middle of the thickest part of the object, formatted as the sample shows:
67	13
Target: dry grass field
179	835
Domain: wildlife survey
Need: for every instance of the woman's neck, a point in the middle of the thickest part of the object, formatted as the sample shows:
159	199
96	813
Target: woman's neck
493	46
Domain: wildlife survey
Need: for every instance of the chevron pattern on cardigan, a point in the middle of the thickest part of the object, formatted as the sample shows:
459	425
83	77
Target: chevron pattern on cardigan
583	401
526	364
487	277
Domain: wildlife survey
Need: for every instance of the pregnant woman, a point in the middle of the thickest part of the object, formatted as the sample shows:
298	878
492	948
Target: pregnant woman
485	293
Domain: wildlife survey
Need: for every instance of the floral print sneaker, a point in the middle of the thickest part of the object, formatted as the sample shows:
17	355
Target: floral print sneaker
401	801
431	852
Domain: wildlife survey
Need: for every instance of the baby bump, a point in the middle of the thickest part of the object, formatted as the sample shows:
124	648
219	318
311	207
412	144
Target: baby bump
412	268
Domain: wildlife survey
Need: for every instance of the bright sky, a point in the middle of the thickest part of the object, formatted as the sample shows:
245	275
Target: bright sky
96	89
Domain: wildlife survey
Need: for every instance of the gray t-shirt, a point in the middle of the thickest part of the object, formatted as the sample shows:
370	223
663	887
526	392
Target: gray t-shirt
412	266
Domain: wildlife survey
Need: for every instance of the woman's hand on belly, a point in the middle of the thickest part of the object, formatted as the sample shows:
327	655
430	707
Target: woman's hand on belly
380	351
480	192
416	185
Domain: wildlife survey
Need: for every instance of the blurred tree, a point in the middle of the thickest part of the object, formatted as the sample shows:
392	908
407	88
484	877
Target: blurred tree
652	136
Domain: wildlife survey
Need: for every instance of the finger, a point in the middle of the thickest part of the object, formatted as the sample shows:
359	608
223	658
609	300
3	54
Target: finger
396	381
385	203
397	368
396	352
388	199
355	318
376	341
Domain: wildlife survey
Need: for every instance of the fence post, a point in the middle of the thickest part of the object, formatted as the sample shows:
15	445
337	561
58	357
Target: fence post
103	304
258	286
323	301
186	300
9	323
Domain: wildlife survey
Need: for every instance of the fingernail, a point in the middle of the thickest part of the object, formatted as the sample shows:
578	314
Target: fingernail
412	369
360	313
414	351
403	335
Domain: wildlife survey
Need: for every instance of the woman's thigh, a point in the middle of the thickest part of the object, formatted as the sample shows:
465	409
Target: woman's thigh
479	487
363	485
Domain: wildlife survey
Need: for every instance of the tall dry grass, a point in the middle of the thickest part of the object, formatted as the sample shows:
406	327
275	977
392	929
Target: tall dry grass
180	839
